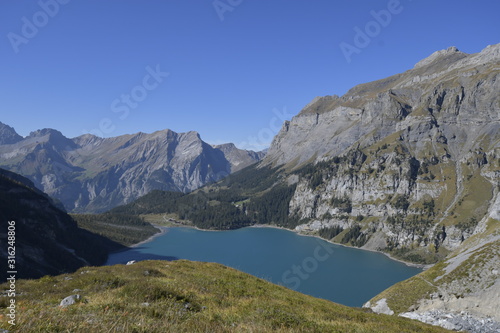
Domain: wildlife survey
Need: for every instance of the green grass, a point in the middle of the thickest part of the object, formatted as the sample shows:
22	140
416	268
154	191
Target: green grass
184	296
419	255
475	200
406	293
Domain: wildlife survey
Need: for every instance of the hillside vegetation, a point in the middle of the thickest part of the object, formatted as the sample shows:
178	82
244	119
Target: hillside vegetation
120	228
183	296
250	196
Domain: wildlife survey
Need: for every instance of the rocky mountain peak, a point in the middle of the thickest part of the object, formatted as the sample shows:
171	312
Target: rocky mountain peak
451	53
52	136
192	135
225	146
89	173
449	92
45	131
238	158
489	54
8	135
492	50
87	140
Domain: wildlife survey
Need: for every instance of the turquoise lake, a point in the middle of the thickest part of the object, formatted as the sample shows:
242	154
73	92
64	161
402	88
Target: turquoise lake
306	264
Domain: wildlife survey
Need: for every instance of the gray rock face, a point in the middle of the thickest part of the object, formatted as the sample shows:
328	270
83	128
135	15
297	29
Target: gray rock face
450	94
92	174
380	307
239	158
8	135
418	153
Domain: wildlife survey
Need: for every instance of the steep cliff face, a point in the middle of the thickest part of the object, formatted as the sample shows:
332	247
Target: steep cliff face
411	163
438	100
47	240
93	174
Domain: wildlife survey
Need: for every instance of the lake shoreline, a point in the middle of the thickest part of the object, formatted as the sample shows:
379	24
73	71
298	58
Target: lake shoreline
164	229
410	264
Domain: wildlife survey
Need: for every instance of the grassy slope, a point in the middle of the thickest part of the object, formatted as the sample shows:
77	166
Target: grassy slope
184	296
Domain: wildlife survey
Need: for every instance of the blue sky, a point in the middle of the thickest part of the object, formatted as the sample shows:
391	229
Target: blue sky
232	70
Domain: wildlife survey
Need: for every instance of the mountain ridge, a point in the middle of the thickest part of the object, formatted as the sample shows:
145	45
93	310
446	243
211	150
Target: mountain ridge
360	107
93	174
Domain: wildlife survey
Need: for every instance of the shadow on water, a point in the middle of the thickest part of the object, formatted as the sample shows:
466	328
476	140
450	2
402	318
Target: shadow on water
135	253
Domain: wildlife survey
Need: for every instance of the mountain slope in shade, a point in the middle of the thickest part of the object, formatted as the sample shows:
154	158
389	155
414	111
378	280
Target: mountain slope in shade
93	174
47	240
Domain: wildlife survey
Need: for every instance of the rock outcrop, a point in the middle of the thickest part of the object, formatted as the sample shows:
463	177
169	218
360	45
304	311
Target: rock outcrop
93	174
8	135
412	160
449	96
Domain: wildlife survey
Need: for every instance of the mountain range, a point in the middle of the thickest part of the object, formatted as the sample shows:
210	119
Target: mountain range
93	174
408	165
